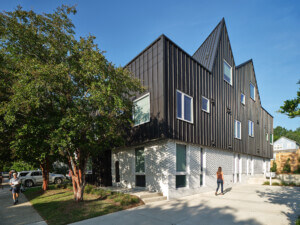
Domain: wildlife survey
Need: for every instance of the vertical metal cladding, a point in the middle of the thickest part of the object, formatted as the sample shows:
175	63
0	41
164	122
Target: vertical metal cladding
164	67
148	67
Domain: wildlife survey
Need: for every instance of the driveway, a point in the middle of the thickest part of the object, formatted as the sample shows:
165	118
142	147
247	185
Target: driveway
243	204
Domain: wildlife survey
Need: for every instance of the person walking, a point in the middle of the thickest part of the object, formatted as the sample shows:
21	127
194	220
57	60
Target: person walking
15	184
220	180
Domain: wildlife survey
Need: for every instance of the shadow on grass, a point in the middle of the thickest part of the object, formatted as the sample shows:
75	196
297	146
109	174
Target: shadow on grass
288	196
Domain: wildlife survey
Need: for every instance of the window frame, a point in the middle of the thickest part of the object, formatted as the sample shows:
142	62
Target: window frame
231	75
181	173
254	97
243	102
251	134
208	105
236	122
182	107
138	99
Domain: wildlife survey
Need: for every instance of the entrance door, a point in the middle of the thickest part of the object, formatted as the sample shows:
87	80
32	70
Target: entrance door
117	170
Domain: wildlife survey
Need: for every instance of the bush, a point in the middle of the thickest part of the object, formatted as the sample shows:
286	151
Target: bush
297	171
287	167
274	167
88	189
275	184
284	183
266	183
128	200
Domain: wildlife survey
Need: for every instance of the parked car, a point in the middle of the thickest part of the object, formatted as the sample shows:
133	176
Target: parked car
35	177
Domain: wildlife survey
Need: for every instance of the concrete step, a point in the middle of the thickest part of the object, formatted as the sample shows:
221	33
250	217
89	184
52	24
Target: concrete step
154	199
151	195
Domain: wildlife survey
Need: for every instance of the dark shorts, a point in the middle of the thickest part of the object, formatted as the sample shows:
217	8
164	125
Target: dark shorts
15	190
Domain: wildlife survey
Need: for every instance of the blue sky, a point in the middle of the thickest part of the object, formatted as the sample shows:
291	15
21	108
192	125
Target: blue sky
266	31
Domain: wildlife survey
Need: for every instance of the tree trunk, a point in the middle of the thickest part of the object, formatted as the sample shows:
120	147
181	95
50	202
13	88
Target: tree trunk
78	176
45	172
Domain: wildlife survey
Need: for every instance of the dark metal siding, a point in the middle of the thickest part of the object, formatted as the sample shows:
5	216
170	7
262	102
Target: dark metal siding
164	67
148	67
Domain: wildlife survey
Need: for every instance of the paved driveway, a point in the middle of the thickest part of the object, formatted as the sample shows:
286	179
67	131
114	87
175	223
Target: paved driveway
247	205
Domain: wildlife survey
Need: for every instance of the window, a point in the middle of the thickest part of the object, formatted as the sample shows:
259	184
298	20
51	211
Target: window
252	91
201	167
237	129
271	139
180	165
184	107
267	137
243	100
251	128
227	73
139	160
205	104
141	110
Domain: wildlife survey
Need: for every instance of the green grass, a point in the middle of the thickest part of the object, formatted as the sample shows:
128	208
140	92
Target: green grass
282	183
57	205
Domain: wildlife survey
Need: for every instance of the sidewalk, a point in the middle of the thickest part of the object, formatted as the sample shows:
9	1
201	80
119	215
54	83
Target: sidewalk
22	213
243	205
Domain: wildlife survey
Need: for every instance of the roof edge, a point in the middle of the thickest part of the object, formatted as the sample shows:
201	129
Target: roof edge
244	63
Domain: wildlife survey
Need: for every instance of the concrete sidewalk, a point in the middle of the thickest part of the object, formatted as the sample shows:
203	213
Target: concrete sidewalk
22	213
244	204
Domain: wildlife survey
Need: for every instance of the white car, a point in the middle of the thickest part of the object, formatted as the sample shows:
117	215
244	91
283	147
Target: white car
31	178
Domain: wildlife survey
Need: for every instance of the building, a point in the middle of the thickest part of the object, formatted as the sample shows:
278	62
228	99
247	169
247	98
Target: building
199	112
284	144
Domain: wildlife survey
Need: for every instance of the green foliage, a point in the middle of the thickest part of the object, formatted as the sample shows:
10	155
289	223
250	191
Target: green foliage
298	221
274	167
88	188
21	166
266	183
297	171
281	131
292	107
60	169
287	166
61	96
275	184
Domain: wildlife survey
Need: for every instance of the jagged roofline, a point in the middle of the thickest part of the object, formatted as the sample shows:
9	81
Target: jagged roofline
210	48
244	64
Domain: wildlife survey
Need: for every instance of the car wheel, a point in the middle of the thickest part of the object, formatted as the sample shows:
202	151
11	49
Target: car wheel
28	183
58	180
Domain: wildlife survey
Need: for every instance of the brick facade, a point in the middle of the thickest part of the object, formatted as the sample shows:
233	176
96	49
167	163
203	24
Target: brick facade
160	168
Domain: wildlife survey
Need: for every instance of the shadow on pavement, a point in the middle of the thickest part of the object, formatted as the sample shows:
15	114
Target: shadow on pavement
287	196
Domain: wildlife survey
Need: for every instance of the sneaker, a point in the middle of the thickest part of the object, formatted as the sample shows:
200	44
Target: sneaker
15	203
17	200
216	193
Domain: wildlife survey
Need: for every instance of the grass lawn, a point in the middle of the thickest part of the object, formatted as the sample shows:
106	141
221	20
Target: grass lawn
57	205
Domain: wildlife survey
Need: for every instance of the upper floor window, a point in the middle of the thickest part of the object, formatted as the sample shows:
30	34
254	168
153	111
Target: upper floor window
251	128
237	129
205	104
141	110
252	91
243	100
227	73
184	106
267	137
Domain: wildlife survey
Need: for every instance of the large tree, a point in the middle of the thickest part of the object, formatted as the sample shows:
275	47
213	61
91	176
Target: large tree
97	108
33	48
66	98
292	107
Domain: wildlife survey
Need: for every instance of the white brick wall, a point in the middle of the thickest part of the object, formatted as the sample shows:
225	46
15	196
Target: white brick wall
160	168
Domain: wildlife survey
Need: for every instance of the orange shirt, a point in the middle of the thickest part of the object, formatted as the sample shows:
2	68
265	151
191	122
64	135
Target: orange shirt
220	176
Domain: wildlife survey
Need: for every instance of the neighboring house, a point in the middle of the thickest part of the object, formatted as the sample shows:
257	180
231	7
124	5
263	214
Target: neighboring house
284	144
199	112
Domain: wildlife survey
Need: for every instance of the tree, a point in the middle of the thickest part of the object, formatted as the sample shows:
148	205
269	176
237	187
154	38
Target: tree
291	107
66	97
33	49
287	166
97	109
281	131
274	167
